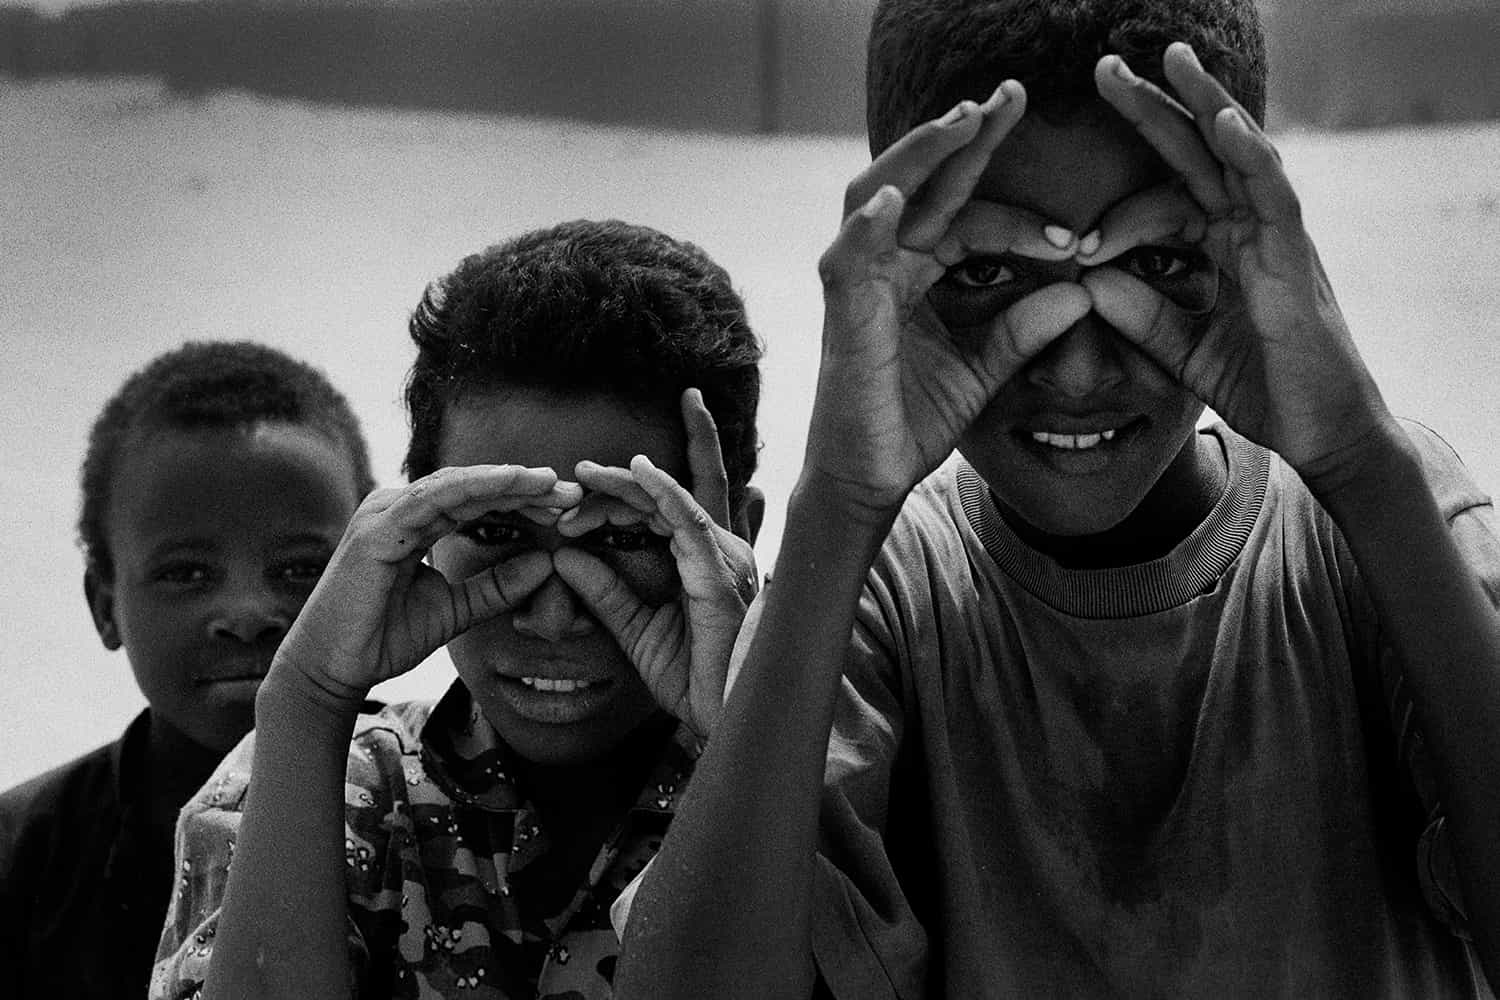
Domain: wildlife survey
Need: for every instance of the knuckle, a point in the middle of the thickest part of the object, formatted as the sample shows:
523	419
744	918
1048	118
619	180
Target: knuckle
832	270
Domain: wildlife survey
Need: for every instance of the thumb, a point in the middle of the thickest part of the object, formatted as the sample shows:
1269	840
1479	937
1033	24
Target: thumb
607	598
1143	316
497	589
1030	325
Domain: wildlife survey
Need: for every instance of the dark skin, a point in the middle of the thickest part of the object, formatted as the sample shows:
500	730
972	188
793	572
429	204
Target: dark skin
381	608
1164	519
727	909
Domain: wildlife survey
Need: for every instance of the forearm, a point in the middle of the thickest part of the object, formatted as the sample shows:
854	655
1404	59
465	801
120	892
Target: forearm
282	929
1436	615
726	910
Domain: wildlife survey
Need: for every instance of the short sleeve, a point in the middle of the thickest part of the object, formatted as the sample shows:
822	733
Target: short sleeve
203	852
867	940
1471	518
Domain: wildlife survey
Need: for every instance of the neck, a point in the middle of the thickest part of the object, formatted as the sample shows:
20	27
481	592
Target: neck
175	767
606	785
1182	498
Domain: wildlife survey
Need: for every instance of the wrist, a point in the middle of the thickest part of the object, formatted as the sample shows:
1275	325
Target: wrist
295	697
847	506
1367	466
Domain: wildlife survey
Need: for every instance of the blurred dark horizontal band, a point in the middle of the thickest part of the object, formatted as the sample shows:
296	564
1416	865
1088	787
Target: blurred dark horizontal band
732	66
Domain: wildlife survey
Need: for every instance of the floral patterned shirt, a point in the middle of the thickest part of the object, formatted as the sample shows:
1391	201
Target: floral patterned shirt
435	830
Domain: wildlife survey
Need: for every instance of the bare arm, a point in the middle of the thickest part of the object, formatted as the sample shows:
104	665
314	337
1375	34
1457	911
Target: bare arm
737	868
1438	618
377	612
1279	364
283	931
727	908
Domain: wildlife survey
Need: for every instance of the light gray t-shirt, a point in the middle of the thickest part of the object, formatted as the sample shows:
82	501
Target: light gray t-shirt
1179	778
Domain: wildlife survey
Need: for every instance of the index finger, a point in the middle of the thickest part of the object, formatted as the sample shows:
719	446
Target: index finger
705	458
916	156
983	227
1169	127
1162	212
952	185
430	507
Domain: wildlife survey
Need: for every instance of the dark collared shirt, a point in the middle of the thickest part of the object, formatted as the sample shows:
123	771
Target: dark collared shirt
83	890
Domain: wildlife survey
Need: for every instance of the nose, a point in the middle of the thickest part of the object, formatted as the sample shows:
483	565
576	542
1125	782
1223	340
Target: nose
552	612
1083	361
251	614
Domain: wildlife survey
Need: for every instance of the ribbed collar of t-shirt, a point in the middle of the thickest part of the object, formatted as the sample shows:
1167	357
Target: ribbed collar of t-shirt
1192	568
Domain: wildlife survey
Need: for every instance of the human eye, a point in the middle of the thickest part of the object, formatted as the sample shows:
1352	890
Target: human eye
491	533
980	272
627	539
974	291
300	571
182	574
1154	263
1186	276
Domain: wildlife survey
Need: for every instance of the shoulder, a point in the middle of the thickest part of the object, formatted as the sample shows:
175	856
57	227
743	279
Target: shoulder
64	796
60	820
931	531
1447	477
383	736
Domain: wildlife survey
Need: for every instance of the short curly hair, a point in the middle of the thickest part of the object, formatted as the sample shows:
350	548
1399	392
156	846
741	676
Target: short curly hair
209	384
587	307
925	56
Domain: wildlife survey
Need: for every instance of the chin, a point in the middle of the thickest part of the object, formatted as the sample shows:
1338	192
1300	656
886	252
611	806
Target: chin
1075	516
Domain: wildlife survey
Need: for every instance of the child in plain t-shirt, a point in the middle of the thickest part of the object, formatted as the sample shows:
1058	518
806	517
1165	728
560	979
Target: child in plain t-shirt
1055	693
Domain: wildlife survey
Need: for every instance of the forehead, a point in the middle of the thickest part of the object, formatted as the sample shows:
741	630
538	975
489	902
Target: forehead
263	481
541	429
1073	170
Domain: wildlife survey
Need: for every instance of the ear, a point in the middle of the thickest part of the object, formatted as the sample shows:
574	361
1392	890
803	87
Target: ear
101	597
752	512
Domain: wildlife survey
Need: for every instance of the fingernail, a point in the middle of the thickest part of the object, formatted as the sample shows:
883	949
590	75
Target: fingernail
1123	71
1235	119
1089	244
1188	53
1058	236
956	114
999	97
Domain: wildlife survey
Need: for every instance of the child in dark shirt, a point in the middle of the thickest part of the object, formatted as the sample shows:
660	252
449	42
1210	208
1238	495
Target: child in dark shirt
217	482
1055	693
566	382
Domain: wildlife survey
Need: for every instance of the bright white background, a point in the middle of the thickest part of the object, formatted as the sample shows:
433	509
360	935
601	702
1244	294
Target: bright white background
131	219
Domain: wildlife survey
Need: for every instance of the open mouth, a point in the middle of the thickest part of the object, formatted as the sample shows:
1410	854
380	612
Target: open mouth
559	686
1099	439
1073	442
557	701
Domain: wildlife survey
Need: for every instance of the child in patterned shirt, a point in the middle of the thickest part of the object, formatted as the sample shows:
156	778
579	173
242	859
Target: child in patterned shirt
566	383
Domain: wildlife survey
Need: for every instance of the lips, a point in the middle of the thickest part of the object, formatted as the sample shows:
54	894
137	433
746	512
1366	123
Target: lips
222	671
1074	445
558	685
556	700
1074	442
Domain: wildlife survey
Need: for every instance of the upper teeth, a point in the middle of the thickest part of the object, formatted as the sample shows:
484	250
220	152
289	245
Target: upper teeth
1072	441
546	684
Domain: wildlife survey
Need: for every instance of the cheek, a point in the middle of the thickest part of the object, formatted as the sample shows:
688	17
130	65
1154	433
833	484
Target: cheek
651	574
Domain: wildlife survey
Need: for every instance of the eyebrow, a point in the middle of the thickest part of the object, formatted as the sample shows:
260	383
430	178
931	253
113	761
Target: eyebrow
304	538
202	546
